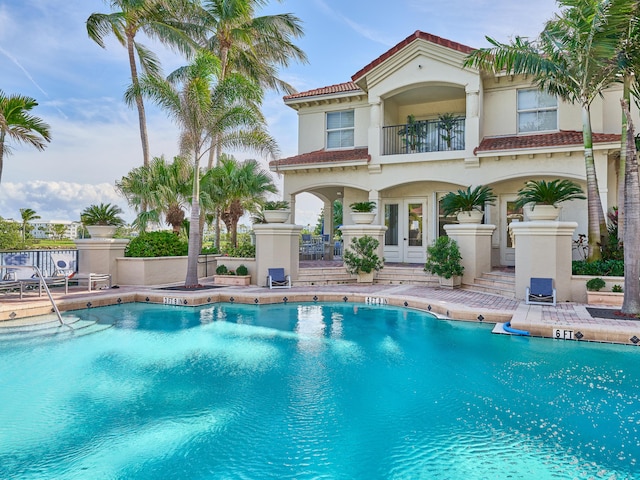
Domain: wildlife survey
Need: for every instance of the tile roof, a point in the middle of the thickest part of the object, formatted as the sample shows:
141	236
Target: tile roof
558	139
339	88
324	156
411	38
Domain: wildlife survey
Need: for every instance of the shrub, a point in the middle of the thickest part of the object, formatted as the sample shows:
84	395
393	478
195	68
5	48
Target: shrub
361	257
222	270
242	270
444	259
156	244
600	268
245	250
209	250
595	284
616	289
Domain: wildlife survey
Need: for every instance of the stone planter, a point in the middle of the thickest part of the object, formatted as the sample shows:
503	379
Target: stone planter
235	280
365	277
363	218
101	231
542	212
453	282
276	216
471	216
612	299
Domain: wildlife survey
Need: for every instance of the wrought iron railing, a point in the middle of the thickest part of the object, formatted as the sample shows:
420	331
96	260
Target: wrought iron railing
423	136
42	258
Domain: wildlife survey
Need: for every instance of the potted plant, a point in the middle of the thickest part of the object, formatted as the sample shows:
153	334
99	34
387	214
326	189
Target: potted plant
595	296
541	197
448	125
102	220
363	212
468	204
411	136
276	211
445	261
224	276
361	258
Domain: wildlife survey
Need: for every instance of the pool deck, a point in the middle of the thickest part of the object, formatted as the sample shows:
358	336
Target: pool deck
566	321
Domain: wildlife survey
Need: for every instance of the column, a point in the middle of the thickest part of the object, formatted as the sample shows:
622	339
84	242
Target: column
98	255
474	241
277	246
374	196
375	121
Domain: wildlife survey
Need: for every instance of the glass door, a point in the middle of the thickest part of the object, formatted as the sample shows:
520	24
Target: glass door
509	213
415	239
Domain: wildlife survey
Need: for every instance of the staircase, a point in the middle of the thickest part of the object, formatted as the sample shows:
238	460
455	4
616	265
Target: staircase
389	275
497	282
73	327
323	276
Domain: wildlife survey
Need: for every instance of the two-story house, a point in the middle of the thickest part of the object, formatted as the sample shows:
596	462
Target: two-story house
414	124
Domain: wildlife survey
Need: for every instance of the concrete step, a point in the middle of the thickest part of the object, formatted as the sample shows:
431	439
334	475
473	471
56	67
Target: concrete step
495	282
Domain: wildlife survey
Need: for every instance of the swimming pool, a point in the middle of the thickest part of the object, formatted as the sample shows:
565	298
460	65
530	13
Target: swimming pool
312	391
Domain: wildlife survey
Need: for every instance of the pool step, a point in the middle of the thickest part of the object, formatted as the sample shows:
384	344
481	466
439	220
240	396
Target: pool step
497	282
73	327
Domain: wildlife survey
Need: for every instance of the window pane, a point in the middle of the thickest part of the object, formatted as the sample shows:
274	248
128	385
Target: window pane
333	139
346	139
513	214
333	120
527	99
346	119
391	222
415	224
528	122
547	120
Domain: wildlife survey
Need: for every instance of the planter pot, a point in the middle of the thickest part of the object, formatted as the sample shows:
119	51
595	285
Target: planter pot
612	299
363	218
453	282
365	277
542	212
101	231
238	280
276	216
471	216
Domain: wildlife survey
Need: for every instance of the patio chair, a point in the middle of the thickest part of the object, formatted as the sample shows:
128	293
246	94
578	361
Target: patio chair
18	270
540	292
277	279
64	264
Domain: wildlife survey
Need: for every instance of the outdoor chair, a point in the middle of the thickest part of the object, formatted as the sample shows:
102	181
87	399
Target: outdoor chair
277	279
541	292
17	270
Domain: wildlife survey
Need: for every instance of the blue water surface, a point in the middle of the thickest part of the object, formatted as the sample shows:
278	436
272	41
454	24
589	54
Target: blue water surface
335	391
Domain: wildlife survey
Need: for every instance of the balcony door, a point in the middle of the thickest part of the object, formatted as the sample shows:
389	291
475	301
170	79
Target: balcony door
405	238
509	213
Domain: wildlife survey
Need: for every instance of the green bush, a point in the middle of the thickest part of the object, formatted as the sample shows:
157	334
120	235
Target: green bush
222	270
595	284
210	250
156	244
242	270
600	268
245	250
617	289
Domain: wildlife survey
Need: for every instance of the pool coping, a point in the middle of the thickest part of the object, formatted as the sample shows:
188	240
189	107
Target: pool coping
568	321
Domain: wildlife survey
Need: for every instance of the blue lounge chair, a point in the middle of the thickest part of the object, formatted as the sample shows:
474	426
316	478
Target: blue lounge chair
277	279
541	292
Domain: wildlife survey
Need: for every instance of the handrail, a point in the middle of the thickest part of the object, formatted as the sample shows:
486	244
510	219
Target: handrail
42	282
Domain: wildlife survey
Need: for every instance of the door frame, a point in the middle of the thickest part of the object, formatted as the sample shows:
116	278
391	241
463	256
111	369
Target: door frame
507	253
403	253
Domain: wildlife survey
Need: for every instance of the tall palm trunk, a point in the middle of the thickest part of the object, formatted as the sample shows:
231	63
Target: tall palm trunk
2	137
597	225
142	118
626	97
194	228
631	303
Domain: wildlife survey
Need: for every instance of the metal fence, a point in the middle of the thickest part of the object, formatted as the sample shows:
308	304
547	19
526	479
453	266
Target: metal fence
40	258
423	136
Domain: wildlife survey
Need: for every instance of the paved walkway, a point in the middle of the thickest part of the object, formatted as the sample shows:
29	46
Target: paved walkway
569	321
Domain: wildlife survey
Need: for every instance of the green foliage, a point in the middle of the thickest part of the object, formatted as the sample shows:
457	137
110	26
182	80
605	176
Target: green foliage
467	200
222	270
613	250
242	270
244	250
275	205
209	250
10	236
156	244
103	214
602	268
595	284
444	259
616	289
448	124
363	207
361	256
540	192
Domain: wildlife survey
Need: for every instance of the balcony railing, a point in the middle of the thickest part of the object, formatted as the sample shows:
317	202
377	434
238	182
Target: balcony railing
423	136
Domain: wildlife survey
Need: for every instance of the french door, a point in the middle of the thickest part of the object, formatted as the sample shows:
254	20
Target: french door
405	238
508	213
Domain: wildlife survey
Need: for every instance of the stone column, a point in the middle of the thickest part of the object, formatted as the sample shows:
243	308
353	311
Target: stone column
375	231
474	241
277	246
543	249
374	196
98	255
328	229
375	131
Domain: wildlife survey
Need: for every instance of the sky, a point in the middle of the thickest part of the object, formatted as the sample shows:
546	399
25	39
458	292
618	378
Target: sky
45	53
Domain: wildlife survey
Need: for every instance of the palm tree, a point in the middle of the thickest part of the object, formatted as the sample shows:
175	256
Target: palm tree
570	59
157	19
27	215
164	189
237	187
19	125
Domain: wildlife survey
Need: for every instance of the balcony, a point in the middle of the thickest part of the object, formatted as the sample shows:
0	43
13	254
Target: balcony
424	136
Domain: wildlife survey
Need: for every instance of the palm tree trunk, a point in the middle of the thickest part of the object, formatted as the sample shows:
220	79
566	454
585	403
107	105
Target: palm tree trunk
597	225
626	97
2	136
631	303
142	118
194	228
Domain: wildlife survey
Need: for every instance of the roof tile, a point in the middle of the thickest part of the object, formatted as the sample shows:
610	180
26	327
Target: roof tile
558	139
332	89
324	156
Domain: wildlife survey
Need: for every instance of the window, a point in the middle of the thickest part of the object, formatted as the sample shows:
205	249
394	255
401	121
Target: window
340	129
537	111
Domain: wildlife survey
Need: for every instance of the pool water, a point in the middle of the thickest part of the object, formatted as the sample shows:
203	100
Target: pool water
335	391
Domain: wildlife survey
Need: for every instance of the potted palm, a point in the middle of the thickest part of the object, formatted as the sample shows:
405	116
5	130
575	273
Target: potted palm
468	204
363	212
445	261
448	125
102	220
411	136
276	211
361	259
541	197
